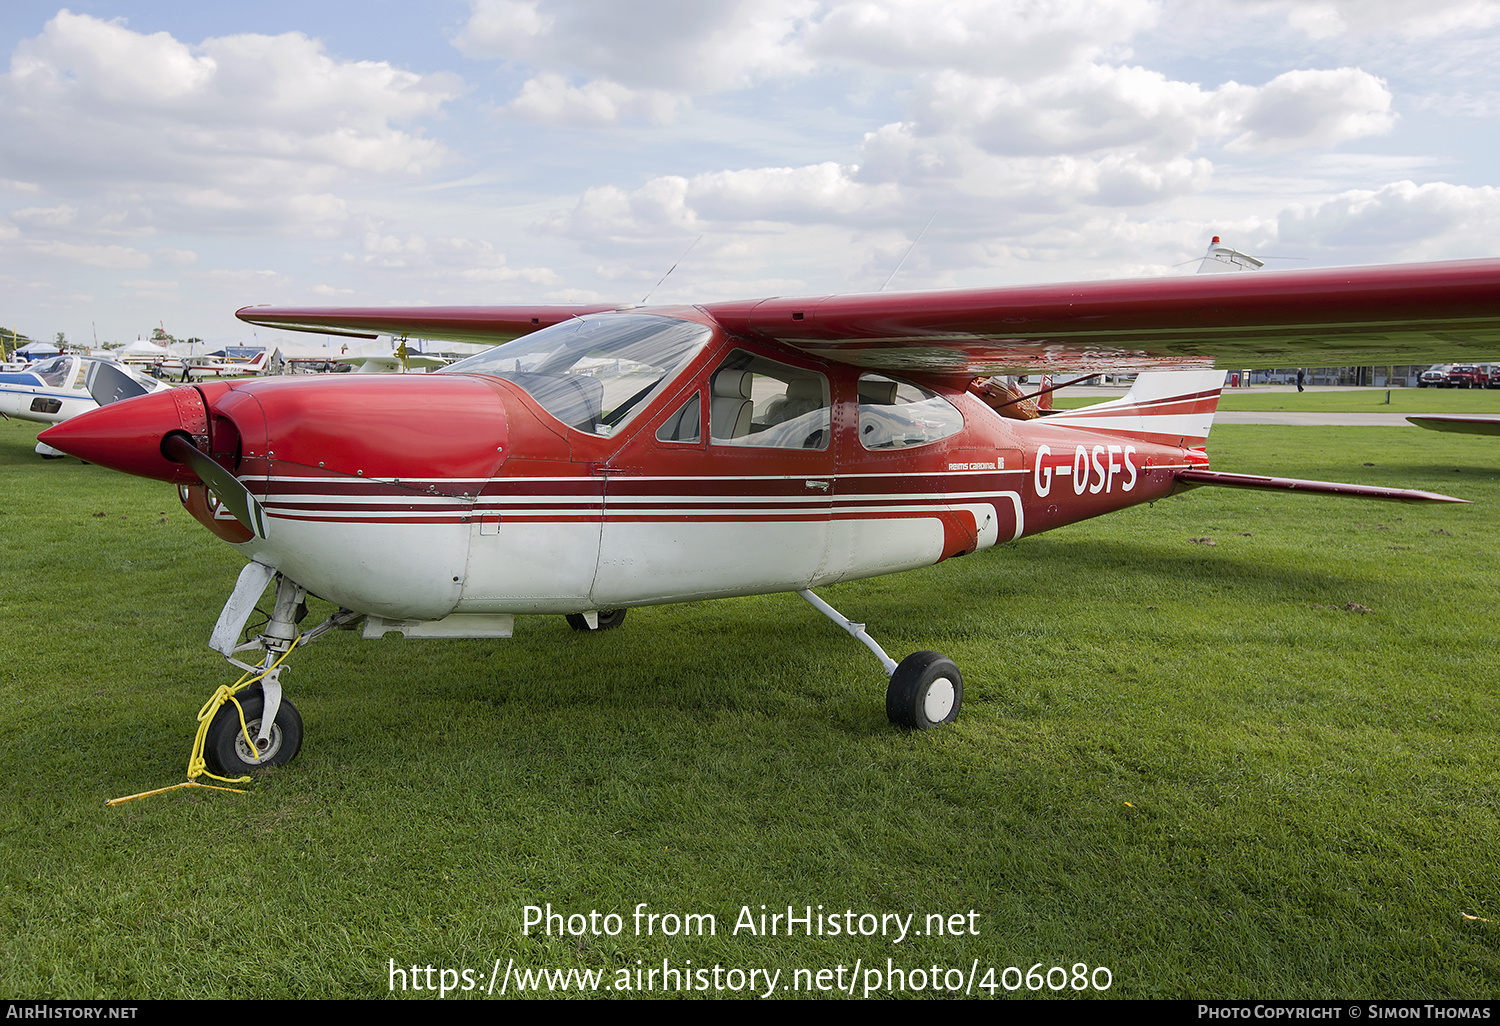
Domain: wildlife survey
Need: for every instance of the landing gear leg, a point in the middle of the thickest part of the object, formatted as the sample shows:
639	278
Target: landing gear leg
251	726
925	690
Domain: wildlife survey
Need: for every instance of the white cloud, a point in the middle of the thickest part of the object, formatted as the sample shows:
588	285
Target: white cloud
670	205
242	279
1407	220
1097	109
236	124
807	141
674	45
441	264
1016	41
1427	19
45	216
115	257
1322	108
551	99
176	257
1021	121
601	61
1089	110
826	190
1317	21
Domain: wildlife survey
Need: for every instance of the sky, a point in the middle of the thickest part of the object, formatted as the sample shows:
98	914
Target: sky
163	163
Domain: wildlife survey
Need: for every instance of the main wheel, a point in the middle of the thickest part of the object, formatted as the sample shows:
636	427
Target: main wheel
925	691
608	619
229	755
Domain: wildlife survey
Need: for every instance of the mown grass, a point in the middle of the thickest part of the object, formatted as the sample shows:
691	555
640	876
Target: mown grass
1194	764
1342	400
1367	400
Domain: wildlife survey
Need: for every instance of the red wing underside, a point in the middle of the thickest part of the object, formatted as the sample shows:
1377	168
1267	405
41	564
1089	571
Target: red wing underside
1414	313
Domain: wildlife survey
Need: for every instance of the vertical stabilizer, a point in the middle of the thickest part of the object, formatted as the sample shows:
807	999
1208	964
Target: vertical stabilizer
1170	407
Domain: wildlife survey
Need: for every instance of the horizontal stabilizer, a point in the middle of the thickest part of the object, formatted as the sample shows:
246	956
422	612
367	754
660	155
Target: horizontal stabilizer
1197	478
1460	423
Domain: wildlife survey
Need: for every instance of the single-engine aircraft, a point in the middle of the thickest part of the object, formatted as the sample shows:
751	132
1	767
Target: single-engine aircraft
608	457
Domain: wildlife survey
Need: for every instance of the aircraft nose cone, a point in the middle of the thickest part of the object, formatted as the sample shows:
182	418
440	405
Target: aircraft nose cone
127	436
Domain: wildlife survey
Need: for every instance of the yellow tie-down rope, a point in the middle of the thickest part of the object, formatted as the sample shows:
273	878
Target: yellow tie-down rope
197	766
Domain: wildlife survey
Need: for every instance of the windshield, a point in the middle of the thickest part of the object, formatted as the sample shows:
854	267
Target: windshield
594	373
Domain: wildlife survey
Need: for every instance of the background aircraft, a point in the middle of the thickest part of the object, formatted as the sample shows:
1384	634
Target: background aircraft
187	368
614	457
52	390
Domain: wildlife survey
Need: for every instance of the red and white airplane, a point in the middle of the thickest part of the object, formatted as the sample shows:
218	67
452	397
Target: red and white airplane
604	458
188	368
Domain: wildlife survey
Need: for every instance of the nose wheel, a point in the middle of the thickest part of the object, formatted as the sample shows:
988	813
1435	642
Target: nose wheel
230	754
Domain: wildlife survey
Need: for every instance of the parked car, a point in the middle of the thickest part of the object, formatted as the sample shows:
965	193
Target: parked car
1436	377
1467	375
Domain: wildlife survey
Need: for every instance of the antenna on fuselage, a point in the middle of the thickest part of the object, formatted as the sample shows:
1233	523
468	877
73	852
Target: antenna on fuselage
670	270
908	250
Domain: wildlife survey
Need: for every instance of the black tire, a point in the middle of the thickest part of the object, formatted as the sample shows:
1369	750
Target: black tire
608	620
224	747
926	691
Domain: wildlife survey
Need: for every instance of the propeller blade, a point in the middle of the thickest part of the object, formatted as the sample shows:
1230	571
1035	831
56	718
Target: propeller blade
234	495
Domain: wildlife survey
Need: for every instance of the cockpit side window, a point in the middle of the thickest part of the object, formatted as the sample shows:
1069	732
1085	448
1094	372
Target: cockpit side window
897	414
762	403
683	425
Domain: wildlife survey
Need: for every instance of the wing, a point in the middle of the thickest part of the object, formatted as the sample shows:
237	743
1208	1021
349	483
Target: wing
1411	313
1330	317
484	324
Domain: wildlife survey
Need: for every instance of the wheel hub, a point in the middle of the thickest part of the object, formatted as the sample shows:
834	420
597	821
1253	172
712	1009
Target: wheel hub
264	750
938	702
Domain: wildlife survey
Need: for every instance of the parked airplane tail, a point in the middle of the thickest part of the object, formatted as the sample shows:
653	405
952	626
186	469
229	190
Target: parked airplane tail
1169	407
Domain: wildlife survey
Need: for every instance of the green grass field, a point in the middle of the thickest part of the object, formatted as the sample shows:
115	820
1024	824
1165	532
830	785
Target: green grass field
1260	768
1367	400
1343	400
